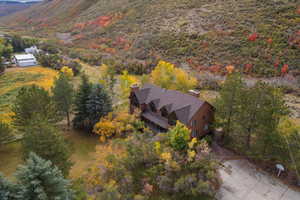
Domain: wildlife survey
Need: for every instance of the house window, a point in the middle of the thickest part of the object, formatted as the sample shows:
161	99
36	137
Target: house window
152	107
164	112
194	123
206	127
172	119
194	133
204	117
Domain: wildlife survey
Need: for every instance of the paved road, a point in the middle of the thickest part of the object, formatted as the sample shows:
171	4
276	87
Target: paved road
242	182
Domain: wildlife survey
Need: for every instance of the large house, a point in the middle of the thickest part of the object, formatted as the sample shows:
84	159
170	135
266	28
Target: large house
161	108
25	60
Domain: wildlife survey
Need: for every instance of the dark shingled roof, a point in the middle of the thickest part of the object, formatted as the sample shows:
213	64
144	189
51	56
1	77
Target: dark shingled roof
185	106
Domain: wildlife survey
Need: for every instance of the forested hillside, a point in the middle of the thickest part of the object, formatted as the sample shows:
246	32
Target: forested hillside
260	36
254	35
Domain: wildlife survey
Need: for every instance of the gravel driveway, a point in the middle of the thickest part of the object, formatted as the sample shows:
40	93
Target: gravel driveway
241	181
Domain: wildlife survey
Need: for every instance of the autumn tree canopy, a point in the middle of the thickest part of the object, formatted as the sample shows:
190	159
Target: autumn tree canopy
166	75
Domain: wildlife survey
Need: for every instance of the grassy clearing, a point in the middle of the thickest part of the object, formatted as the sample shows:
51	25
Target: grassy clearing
10	158
16	78
83	150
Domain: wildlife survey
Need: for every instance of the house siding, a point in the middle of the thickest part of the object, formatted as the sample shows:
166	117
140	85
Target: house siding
204	116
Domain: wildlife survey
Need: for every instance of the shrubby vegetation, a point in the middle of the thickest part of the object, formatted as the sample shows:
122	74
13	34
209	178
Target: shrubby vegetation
20	43
53	61
117	125
6	51
148	167
179	136
75	66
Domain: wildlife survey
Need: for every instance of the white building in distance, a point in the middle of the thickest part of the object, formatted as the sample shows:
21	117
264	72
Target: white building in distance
25	60
32	50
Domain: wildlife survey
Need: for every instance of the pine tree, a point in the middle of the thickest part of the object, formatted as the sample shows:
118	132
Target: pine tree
33	102
98	105
63	94
227	104
80	102
9	190
260	111
45	140
41	180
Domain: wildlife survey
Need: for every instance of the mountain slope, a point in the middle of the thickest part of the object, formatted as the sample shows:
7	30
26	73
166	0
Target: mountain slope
252	33
8	7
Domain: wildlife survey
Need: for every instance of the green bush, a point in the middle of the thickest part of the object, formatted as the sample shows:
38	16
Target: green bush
179	136
53	61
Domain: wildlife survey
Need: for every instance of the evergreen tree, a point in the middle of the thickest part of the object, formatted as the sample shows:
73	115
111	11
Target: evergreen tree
260	111
45	140
42	181
9	190
227	104
33	102
63	94
98	105
80	102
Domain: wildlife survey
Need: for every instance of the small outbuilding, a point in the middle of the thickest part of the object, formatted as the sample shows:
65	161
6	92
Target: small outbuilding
25	60
32	50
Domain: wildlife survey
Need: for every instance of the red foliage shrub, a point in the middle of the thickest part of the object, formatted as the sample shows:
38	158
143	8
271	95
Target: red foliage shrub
294	40
253	37
78	37
94	46
127	47
276	64
79	26
190	61
270	40
284	69
110	50
103	21
215	68
248	67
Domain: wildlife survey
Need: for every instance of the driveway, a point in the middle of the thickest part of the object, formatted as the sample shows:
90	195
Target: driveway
241	181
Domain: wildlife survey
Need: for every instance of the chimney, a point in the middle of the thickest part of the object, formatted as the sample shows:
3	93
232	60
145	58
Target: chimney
194	93
134	87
